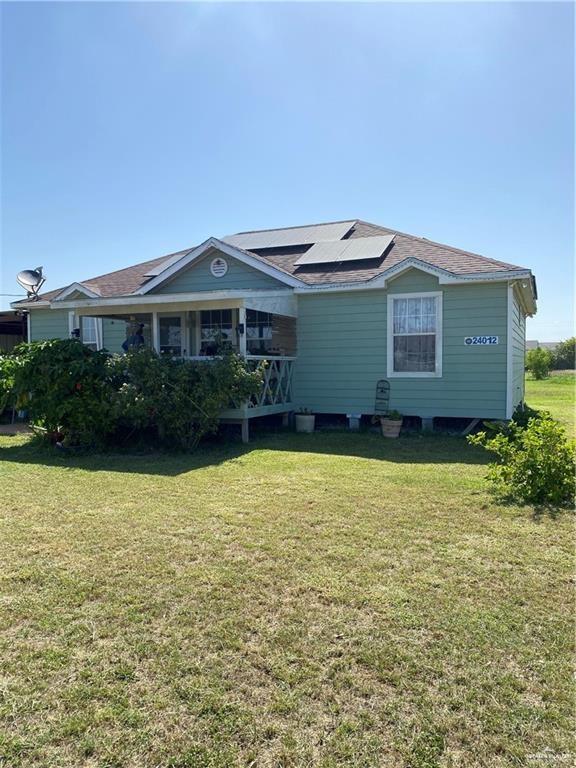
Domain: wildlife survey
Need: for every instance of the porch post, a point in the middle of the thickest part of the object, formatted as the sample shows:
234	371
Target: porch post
72	322
184	334
242	336
155	332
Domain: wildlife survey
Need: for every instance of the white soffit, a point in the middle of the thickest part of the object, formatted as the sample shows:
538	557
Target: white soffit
346	250
276	238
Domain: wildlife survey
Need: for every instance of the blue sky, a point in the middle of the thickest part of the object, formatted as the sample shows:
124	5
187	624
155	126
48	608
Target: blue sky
130	130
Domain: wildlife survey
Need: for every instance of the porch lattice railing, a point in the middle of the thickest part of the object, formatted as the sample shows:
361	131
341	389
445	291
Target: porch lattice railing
277	385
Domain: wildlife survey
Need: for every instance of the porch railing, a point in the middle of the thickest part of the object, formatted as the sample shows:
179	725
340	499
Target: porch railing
276	389
277	385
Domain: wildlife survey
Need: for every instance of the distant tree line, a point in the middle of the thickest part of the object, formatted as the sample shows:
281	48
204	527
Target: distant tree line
541	361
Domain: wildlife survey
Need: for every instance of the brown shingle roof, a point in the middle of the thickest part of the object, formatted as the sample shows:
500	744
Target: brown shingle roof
454	260
403	247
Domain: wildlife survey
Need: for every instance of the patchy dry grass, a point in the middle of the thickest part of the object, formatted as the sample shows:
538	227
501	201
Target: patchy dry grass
324	600
555	394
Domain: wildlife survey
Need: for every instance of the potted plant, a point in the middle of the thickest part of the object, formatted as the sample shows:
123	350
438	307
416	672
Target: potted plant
391	424
305	420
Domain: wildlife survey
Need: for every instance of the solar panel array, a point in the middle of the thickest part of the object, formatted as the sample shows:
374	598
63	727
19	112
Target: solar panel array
346	250
164	264
327	245
276	238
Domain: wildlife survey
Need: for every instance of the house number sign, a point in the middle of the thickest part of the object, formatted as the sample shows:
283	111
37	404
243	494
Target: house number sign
219	267
482	340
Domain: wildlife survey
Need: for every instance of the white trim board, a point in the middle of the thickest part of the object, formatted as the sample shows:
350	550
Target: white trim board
178	298
391	374
444	278
298	287
228	250
76	287
509	352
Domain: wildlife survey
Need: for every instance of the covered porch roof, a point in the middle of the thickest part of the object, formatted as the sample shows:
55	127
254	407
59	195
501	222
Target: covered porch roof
278	302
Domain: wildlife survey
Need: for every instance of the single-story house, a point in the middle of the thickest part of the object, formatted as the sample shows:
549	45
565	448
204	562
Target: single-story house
334	307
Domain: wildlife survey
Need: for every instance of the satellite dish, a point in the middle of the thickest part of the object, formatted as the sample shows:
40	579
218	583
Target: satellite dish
31	280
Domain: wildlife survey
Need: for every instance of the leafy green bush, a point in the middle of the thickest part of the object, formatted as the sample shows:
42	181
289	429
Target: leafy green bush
8	365
536	462
65	388
564	356
523	413
539	362
179	400
92	399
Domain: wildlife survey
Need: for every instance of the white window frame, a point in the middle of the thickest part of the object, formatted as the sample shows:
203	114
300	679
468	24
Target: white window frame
437	373
97	331
183	331
234	336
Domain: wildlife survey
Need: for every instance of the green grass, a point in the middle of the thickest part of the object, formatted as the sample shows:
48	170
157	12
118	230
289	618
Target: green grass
557	395
309	600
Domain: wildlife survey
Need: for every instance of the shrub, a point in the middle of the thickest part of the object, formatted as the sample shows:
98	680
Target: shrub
91	399
536	462
65	389
523	413
564	356
179	400
8	365
539	362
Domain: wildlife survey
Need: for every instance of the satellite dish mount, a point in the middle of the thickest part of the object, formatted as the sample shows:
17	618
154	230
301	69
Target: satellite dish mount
31	280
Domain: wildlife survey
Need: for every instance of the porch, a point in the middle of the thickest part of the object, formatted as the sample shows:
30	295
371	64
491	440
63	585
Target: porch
258	328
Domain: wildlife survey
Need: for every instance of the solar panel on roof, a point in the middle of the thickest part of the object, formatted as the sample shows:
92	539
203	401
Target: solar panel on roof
275	238
346	250
164	264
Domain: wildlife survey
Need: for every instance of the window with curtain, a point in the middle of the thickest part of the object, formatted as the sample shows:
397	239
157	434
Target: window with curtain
414	334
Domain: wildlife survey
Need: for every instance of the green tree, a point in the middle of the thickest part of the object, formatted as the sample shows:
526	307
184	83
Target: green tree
564	356
539	362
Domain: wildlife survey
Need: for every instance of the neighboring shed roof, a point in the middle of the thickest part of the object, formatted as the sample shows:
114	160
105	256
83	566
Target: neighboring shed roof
284	257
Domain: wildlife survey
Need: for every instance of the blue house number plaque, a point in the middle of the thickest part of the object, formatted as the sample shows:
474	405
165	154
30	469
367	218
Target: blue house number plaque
482	340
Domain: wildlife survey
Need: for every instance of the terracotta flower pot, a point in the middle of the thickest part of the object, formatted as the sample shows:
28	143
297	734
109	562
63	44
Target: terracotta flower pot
391	427
305	422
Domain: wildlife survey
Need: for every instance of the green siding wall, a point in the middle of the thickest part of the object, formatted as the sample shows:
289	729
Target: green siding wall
53	324
342	352
518	350
113	334
48	324
199	278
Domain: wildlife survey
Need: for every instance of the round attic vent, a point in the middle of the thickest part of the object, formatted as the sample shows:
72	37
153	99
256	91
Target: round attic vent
219	267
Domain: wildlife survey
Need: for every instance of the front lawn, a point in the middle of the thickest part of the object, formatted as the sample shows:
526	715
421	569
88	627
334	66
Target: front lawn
323	600
555	394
